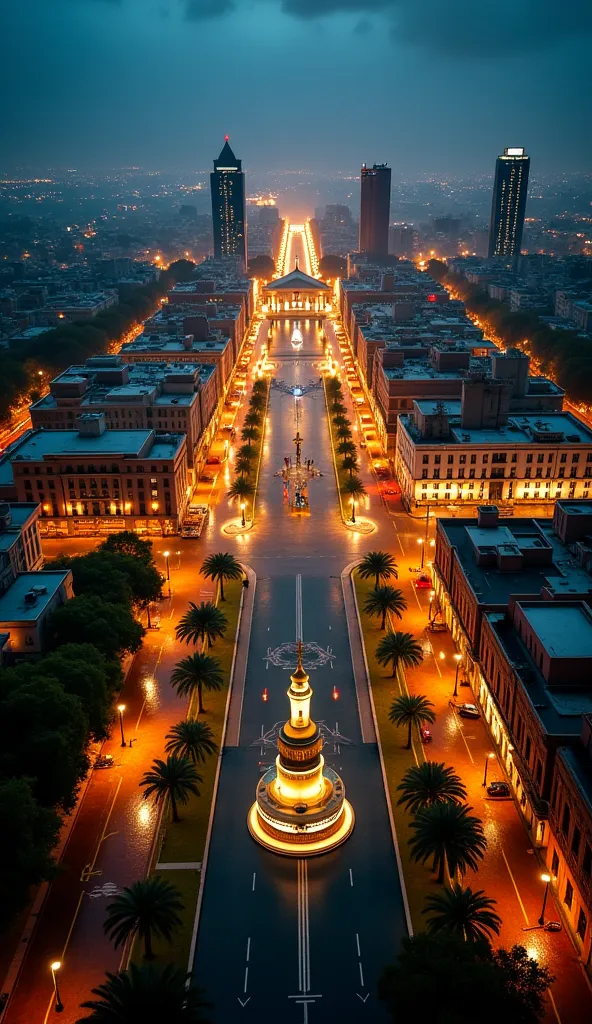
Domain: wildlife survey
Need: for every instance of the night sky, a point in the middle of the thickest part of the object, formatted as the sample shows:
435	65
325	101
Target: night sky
432	87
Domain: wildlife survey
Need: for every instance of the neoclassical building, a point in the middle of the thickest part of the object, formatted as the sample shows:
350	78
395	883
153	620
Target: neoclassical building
297	292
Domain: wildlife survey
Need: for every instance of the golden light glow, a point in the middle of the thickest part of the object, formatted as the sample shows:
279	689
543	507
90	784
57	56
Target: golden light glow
545	878
121	708
55	966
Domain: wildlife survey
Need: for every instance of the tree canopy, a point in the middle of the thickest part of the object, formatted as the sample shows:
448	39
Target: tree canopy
111	628
25	860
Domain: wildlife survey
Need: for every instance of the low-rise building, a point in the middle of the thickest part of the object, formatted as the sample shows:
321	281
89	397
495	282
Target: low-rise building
79	306
477	451
26	607
20	548
166	397
93	481
217	349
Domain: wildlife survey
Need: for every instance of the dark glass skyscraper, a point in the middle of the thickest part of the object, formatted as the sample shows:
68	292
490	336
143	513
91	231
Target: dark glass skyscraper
229	209
508	205
375	207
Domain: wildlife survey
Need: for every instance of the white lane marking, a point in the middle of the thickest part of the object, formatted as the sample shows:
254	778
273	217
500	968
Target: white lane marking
351	878
303	928
361	974
254	877
246	979
299	607
248	949
358	943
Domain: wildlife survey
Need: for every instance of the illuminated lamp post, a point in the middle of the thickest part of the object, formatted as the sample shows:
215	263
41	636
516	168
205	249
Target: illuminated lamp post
487	760
121	709
243	520
458	659
55	966
420	542
546	879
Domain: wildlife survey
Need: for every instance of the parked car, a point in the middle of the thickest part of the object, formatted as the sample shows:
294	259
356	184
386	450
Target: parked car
466	710
104	761
423	582
498	789
437	627
425	733
213	461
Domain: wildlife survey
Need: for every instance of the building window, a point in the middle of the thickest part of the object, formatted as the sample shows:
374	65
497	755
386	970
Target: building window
463	460
472	472
436	474
541	457
573	471
529	457
575	841
527	472
538	473
425	460
473	460
568	898
565	820
461	474
486	458
575	457
563	458
582	925
449	474
555	864
561	472
424	474
514	457
450	459
437	460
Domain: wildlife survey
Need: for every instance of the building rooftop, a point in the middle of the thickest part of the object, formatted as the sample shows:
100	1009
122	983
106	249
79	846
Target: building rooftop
580	766
20	513
553	428
16	606
565	631
36	445
558	708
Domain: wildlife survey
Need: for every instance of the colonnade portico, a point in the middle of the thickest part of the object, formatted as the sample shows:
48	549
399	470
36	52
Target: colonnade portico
296	293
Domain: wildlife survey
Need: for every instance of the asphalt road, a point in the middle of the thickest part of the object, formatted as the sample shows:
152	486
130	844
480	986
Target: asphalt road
283	938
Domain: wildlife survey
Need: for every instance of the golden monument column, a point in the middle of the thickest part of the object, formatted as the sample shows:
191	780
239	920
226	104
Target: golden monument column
300	808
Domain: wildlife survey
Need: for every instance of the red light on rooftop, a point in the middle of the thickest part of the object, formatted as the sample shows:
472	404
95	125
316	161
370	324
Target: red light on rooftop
335	693
265	695
226	138
431	298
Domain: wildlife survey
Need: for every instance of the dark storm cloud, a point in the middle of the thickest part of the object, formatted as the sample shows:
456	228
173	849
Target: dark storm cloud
465	27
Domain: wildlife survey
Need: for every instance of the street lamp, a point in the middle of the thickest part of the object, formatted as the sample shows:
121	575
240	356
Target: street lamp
168	569
420	542
487	760
121	709
55	966
546	879
243	520
458	659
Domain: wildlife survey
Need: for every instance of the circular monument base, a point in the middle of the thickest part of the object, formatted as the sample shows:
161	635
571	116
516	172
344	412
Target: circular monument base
302	843
234	527
360	526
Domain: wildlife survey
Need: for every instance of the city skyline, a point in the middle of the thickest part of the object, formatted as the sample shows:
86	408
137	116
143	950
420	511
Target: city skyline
136	79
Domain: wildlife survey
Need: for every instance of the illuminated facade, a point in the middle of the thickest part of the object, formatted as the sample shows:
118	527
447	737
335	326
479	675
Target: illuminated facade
300	809
229	210
508	205
297	294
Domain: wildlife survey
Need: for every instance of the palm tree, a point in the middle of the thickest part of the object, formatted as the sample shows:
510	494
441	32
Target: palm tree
430	783
398	648
383	600
346	448
450	836
379	564
411	709
221	567
148	908
200	623
333	386
258	400
462	912
146	993
174	779
343	433
242	464
252	419
350	463
196	673
354	489
245	452
250	434
340	420
338	408
241	489
192	739
259	387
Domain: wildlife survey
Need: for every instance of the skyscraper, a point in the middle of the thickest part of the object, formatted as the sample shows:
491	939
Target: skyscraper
375	206
508	205
229	211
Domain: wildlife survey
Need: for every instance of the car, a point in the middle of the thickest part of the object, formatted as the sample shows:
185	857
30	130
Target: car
104	761
206	478
213	461
423	582
437	627
498	789
466	710
425	733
